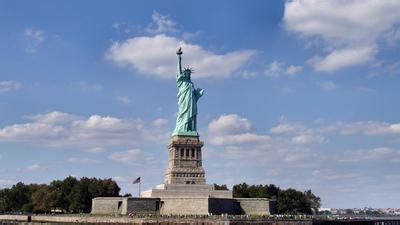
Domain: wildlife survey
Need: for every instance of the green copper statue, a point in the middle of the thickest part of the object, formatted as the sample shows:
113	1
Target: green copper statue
187	101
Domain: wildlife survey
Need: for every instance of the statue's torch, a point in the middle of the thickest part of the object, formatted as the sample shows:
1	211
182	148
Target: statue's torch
179	51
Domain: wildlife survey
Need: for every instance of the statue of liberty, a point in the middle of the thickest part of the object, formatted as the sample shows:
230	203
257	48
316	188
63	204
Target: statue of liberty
187	101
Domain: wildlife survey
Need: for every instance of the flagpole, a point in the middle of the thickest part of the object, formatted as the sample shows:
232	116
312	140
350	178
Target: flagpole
140	184
138	180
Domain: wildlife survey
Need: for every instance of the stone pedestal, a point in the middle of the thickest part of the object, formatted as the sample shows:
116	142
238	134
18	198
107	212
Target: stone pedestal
185	163
185	176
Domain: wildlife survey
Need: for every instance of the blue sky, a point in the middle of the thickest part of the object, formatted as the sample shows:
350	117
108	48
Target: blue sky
300	94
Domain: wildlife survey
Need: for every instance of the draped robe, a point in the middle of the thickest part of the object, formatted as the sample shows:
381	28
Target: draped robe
187	103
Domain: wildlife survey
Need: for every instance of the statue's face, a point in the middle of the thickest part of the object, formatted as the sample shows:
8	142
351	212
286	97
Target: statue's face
187	73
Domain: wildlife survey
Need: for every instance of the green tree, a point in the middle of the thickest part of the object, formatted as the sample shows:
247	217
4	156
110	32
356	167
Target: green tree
28	207
241	191
18	196
60	201
5	200
255	191
69	194
291	201
61	190
272	191
86	189
220	187
77	198
313	201
43	199
110	188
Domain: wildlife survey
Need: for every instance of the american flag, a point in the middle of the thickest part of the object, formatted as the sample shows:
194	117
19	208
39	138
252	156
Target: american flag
136	181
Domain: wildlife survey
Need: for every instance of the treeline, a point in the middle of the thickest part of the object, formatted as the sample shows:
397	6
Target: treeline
68	195
288	201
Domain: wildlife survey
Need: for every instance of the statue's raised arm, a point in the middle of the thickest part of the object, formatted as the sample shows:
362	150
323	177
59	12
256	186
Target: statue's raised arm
179	53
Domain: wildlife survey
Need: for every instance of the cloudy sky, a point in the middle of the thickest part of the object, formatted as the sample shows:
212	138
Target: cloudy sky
300	94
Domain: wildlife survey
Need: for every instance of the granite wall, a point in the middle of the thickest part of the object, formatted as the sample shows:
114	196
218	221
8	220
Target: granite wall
143	205
109	205
182	206
254	206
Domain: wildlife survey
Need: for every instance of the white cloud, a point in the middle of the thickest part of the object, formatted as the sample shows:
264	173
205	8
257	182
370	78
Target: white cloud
95	150
31	131
300	134
307	139
62	130
35	168
328	174
328	85
54	117
389	154
75	160
342	58
229	124
299	156
34	37
277	69
350	21
371	128
350	29
116	25
155	56
292	70
394	128
34	34
160	24
287	128
8	85
129	156
101	123
238	139
231	129
274	69
124	100
159	122
249	74
366	128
